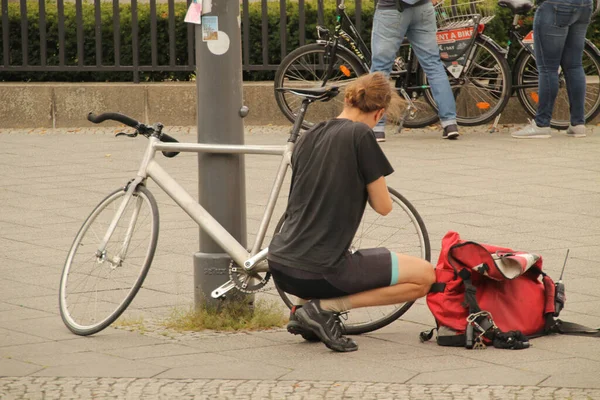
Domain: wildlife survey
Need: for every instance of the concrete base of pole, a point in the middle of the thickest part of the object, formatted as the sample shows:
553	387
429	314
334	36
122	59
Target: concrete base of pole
211	270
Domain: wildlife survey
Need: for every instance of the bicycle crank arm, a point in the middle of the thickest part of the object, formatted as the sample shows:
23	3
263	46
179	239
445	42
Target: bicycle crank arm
222	290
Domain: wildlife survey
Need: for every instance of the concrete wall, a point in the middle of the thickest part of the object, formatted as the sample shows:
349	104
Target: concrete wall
66	105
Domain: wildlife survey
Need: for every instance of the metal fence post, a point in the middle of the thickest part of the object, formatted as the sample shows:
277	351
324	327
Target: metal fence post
221	176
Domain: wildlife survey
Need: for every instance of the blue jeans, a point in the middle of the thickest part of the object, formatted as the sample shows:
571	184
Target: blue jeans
559	28
418	24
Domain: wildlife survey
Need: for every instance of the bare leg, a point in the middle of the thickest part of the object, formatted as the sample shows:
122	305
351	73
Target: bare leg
415	279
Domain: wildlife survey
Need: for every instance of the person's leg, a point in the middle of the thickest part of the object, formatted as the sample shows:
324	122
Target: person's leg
422	36
549	31
414	277
375	277
310	286
387	34
573	68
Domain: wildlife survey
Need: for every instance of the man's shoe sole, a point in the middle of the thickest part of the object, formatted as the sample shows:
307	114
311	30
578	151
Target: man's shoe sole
451	136
317	329
296	328
533	137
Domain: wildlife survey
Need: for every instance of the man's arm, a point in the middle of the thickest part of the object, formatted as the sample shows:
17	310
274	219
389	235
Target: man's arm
379	197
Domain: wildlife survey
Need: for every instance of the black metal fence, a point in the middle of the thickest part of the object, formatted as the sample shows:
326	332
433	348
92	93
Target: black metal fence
31	35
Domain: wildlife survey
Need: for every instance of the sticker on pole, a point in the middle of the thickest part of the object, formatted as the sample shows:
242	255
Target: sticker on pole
194	13
210	28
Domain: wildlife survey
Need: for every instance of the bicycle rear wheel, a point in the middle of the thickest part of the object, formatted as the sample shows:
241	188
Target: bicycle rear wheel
306	67
483	89
95	288
401	231
527	75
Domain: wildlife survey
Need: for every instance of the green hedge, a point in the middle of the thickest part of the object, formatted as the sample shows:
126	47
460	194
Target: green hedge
496	29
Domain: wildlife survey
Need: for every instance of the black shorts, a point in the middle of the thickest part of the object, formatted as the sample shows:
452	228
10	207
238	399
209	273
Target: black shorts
360	271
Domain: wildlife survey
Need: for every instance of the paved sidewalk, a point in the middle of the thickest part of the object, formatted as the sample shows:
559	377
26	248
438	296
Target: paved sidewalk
537	195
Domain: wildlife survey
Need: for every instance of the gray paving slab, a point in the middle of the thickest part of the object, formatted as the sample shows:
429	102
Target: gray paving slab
540	196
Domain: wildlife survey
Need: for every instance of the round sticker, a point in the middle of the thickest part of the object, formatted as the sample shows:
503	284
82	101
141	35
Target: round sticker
219	46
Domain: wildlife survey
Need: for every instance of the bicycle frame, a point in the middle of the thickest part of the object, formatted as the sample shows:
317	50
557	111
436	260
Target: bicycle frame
150	168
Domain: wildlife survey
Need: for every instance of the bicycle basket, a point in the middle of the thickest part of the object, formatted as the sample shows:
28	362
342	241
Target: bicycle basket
463	13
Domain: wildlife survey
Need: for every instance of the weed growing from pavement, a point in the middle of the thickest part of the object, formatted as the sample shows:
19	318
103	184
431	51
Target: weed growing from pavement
131	324
228	316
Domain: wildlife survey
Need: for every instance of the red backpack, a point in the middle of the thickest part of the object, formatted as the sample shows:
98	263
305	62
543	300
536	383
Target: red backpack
487	294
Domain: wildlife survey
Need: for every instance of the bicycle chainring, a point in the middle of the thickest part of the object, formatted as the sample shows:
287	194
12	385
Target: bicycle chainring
245	282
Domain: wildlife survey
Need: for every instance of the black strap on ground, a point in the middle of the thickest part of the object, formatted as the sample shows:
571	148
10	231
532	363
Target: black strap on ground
571	328
426	335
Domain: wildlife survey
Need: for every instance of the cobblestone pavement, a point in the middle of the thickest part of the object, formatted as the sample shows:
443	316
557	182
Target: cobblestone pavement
216	389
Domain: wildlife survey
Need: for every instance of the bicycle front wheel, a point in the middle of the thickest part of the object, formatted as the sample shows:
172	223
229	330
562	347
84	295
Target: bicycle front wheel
306	67
483	88
527	77
97	286
401	231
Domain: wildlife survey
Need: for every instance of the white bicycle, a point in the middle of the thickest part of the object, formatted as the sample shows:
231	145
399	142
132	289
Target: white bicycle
112	252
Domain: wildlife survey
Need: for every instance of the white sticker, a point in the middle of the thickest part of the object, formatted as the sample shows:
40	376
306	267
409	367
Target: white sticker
455	70
206	6
219	46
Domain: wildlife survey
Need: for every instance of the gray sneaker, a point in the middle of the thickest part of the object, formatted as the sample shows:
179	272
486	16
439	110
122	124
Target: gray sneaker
532	131
576	131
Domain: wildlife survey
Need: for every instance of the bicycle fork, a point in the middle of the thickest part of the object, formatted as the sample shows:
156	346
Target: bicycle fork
116	260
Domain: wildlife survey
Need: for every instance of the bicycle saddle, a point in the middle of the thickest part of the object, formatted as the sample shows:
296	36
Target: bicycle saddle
321	93
516	6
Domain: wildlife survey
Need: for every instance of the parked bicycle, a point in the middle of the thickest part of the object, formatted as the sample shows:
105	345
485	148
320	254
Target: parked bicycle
112	252
477	69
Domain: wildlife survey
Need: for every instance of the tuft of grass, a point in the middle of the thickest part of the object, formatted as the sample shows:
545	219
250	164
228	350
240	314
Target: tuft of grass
229	316
131	324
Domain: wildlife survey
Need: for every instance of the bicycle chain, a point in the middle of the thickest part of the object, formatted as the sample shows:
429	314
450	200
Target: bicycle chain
244	281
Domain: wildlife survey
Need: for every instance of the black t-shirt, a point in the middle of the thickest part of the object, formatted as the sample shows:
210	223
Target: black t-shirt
332	164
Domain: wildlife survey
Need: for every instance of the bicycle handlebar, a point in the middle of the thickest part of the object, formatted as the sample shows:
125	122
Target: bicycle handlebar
96	119
138	126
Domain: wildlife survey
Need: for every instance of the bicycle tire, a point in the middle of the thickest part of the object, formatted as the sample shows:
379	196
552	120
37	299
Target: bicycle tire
294	72
526	73
475	94
370	222
108	303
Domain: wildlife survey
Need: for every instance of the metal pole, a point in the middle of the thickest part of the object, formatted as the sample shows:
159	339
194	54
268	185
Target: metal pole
221	180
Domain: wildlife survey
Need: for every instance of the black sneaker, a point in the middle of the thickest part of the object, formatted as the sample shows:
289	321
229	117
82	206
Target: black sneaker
295	327
326	325
450	132
379	136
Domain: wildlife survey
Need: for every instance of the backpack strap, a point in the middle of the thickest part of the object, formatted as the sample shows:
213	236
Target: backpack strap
569	328
470	290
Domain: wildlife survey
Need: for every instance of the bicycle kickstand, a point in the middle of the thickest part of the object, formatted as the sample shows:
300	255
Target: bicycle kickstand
495	125
408	111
